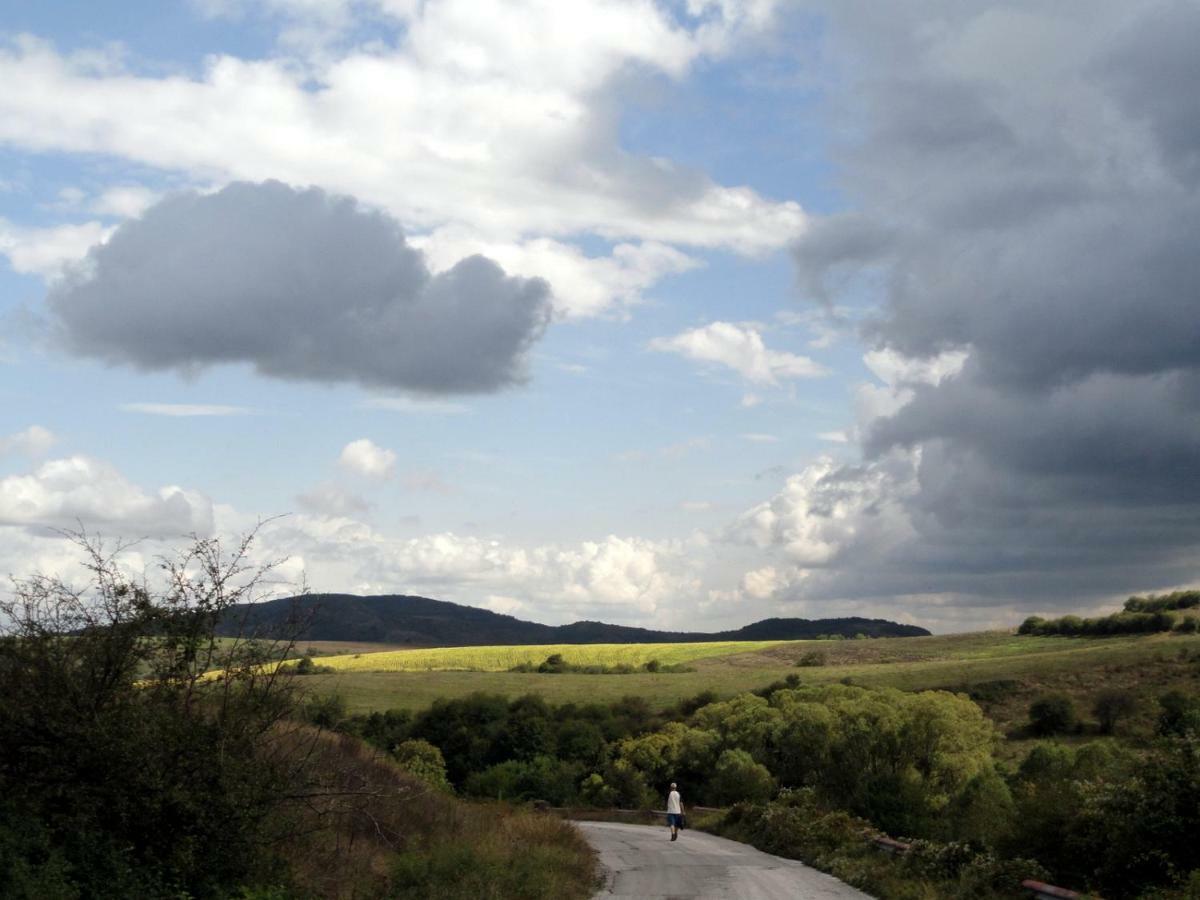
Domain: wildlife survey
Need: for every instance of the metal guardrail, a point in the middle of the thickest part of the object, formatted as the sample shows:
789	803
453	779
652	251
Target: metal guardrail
890	845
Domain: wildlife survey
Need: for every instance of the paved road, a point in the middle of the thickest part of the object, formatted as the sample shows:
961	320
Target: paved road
640	861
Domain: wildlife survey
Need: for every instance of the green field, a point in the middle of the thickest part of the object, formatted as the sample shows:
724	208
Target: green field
502	659
1011	670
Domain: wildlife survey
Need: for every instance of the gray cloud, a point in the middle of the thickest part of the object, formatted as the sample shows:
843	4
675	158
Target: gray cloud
1026	185
301	284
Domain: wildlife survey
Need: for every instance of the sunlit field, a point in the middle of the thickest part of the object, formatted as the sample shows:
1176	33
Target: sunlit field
504	658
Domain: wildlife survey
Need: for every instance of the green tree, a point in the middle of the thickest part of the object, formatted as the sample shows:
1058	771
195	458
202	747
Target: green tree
628	786
738	778
582	741
422	759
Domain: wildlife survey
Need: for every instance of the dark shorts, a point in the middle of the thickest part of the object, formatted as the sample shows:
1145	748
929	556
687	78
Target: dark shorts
674	819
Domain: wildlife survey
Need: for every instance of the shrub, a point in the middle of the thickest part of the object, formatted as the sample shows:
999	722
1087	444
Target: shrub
1052	714
306	666
324	711
540	778
1179	714
810	659
1111	707
594	792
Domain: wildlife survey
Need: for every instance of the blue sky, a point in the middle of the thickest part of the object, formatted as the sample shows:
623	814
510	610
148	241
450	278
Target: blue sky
713	406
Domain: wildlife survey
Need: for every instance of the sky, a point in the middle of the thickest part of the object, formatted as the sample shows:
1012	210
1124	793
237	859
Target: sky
677	313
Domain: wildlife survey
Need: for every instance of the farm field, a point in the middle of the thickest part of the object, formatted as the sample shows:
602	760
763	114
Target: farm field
1004	671
502	659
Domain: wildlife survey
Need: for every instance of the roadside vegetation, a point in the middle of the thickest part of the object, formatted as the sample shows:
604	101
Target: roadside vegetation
127	770
810	770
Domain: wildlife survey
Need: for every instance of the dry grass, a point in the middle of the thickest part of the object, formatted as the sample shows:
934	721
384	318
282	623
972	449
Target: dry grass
363	828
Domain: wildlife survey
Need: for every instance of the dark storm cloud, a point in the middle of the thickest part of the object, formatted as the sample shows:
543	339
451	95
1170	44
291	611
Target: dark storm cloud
301	284
1026	186
1159	51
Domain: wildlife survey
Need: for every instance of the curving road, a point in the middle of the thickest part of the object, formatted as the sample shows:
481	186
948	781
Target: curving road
640	861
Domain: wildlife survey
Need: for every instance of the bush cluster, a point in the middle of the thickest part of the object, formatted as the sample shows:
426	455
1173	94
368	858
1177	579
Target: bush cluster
797	825
1110	820
555	664
1153	603
1052	714
124	770
1141	615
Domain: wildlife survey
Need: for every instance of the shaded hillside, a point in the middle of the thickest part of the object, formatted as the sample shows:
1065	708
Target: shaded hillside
420	621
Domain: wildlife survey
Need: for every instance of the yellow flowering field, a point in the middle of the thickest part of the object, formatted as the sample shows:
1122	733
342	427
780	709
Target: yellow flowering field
501	659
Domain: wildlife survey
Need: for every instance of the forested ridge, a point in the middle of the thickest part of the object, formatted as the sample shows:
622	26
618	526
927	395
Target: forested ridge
421	621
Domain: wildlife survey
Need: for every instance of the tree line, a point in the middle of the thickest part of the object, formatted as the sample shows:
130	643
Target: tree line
1141	615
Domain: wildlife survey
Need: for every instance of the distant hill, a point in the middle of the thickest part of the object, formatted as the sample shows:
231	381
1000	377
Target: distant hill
422	622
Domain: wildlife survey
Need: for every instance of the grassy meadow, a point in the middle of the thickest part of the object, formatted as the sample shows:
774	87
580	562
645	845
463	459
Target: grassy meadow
1003	671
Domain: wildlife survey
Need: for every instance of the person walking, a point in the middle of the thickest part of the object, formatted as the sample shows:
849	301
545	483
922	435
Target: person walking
674	812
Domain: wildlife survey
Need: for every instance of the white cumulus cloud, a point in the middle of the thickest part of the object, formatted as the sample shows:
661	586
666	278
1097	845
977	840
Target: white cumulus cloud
46	251
742	349
365	457
34	441
62	493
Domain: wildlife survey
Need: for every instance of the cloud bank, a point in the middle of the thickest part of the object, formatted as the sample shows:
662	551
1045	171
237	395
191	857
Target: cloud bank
1026	198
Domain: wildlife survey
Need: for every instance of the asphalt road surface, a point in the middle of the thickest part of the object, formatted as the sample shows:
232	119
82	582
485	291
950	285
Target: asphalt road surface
640	861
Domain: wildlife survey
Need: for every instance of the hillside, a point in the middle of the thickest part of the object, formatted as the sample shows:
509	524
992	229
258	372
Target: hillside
420	621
